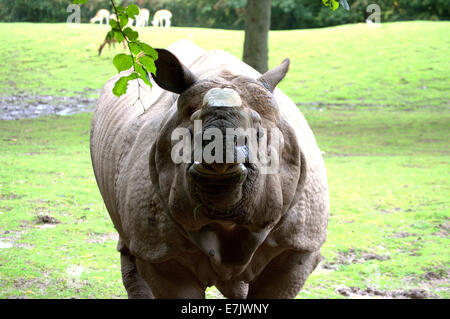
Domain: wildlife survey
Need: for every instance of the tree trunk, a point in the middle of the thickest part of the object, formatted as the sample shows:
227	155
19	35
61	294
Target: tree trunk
257	26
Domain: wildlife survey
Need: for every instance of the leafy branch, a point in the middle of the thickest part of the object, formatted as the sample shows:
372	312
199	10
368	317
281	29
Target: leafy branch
142	56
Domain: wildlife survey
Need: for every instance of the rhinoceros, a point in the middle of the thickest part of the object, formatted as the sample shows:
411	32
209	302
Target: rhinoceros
186	226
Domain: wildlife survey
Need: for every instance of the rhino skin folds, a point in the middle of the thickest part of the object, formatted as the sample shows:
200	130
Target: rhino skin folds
184	227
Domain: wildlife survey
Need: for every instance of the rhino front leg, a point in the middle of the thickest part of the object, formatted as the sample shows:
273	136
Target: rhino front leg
285	275
135	286
171	280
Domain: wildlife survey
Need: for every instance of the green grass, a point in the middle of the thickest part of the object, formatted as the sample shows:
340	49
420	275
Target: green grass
387	167
399	65
375	196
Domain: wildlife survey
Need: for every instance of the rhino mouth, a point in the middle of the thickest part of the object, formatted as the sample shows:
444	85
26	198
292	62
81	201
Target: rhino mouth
218	174
218	186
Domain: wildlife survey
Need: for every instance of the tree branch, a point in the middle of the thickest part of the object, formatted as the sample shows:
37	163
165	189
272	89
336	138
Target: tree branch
132	56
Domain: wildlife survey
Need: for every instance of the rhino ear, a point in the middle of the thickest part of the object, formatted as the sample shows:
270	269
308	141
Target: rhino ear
171	74
271	78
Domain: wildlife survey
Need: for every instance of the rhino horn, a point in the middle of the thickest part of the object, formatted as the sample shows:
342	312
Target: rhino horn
225	97
271	78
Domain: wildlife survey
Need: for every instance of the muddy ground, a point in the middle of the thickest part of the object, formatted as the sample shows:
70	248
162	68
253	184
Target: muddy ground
17	107
371	292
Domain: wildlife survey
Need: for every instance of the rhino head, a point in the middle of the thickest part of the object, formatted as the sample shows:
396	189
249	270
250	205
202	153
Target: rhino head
231	195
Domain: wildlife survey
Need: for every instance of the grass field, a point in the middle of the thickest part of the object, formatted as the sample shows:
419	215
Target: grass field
383	124
400	65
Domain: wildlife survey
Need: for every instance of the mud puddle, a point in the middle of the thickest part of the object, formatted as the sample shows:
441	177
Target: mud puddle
16	107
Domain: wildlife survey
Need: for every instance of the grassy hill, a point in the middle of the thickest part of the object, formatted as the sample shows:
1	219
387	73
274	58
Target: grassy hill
399	65
383	125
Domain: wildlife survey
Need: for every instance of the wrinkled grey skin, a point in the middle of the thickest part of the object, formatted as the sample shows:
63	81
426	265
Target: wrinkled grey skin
265	245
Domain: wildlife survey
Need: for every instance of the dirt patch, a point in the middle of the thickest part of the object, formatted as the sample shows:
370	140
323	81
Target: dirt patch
100	239
444	230
24	245
9	238
353	256
435	280
46	219
403	234
370	292
341	106
393	210
324	269
415	165
32	286
17	107
436	275
10	196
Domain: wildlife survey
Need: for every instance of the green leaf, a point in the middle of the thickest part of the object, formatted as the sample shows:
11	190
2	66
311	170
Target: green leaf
130	34
113	23
80	1
134	48
146	79
142	74
139	70
137	47
148	50
148	63
123	62
118	35
132	11
333	4
120	88
123	18
120	9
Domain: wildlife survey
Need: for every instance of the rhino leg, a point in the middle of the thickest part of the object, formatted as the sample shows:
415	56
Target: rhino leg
285	275
233	290
171	280
136	287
